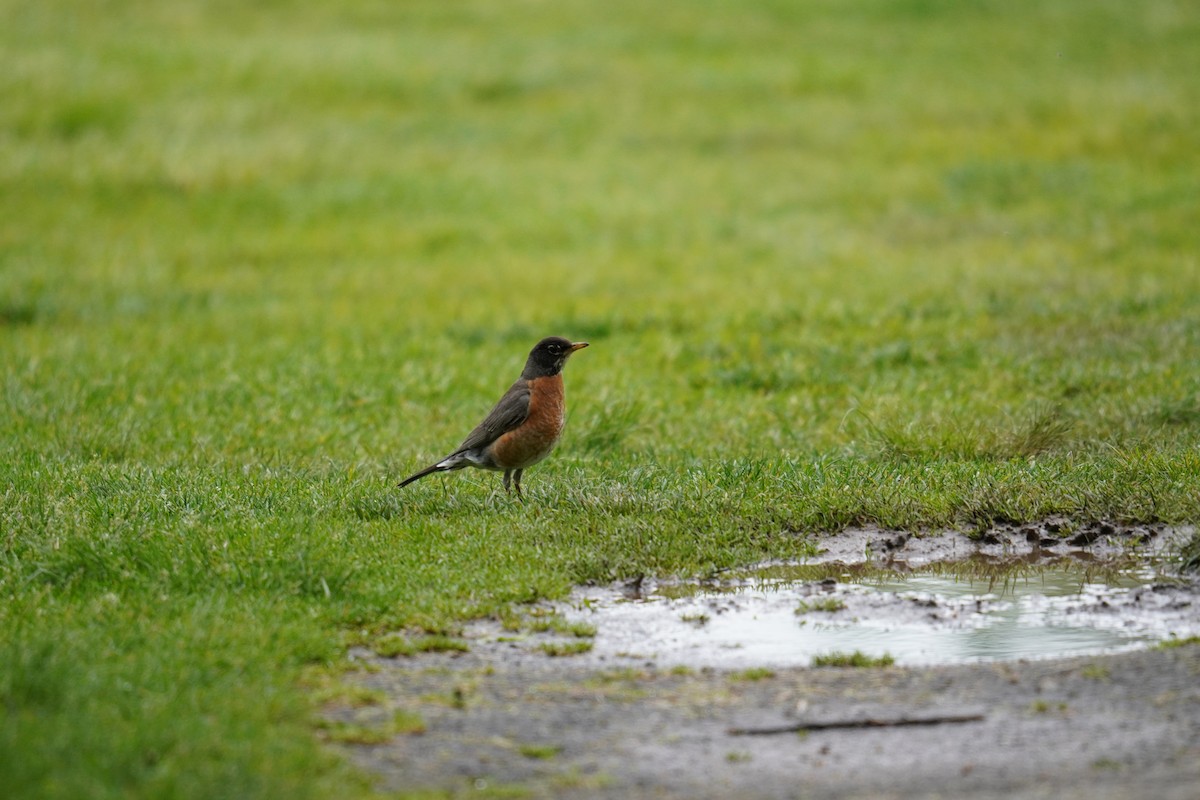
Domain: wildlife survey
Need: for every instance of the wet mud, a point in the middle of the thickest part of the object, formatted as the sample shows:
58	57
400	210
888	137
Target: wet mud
632	717
1031	544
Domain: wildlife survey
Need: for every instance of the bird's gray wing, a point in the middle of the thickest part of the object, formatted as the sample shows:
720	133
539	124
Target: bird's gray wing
511	411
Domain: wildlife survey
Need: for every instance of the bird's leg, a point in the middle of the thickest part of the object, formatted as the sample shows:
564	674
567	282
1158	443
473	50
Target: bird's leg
507	476
517	481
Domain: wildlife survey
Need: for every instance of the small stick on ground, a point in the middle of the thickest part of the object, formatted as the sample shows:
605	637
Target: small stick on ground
870	722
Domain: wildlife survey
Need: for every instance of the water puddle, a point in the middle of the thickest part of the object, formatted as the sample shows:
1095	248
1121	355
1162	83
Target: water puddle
984	606
919	619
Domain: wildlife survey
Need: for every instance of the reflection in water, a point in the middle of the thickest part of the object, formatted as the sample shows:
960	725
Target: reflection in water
1034	616
919	619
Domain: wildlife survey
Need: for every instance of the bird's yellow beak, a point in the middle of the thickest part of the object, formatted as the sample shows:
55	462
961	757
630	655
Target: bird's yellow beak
577	346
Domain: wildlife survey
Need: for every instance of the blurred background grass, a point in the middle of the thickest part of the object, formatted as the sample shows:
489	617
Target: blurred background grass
905	262
908	207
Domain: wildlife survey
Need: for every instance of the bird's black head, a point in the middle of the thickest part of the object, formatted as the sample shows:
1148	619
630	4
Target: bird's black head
549	356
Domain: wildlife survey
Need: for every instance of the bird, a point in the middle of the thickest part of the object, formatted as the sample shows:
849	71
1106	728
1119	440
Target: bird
525	424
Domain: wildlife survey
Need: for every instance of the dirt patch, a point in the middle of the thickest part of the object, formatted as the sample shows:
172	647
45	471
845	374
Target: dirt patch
505	716
1031	543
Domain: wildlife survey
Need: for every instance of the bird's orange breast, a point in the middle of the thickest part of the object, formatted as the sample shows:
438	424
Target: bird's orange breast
534	438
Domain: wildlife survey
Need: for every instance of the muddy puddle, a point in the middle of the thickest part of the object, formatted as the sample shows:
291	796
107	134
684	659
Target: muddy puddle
917	619
914	601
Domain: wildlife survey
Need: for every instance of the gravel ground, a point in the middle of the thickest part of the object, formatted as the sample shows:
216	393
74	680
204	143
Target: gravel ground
1098	727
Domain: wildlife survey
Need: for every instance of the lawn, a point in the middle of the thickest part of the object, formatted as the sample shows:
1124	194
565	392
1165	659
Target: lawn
914	263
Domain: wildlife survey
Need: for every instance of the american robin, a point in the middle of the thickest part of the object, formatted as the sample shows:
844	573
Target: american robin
524	426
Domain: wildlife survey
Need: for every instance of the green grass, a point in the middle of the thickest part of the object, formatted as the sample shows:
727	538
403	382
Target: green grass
400	723
855	659
828	605
914	263
392	645
561	649
1186	641
541	752
559	624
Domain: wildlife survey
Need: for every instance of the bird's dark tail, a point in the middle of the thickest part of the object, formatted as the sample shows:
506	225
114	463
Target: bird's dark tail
450	463
439	467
